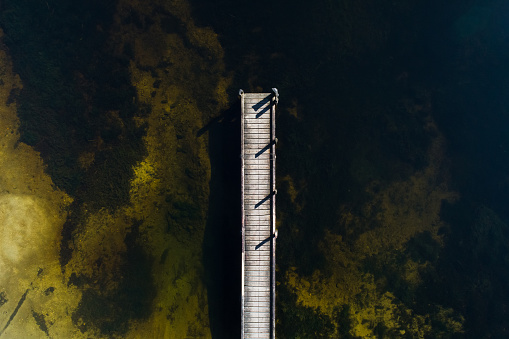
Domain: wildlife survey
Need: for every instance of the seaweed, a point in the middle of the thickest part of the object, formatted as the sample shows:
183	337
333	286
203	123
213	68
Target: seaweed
111	310
70	85
3	298
40	320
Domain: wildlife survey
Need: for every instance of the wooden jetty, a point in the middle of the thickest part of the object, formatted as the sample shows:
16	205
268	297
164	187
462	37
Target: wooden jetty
258	188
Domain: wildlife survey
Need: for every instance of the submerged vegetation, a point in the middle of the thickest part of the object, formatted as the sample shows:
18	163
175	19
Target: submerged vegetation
118	154
115	113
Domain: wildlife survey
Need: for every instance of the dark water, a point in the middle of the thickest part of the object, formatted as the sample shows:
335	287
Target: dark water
348	66
351	71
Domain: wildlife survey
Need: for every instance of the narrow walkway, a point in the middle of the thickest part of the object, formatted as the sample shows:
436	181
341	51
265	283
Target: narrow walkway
258	186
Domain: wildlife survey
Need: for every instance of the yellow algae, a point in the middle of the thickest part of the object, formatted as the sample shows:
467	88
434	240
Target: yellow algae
97	249
32	212
409	207
179	84
398	212
170	186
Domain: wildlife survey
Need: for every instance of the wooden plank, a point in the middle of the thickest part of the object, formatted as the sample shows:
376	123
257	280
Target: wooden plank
255	212
257	96
259	217
256	103
258	265
257	106
258	317
257	327
256	239
259	304
256	139
265	293
250	148
256	289
255	179
258	154
258	192
254	246
254	299
263	141
262	249
256	334
257	314
258	165
257	207
264	257
256	236
253	242
259	278
250	138
261	165
254	163
260	262
255	133
257	284
258	226
258	321
257	120
256	124
258	199
261	293
260	308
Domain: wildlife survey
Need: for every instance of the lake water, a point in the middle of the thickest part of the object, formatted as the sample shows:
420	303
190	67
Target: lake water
119	175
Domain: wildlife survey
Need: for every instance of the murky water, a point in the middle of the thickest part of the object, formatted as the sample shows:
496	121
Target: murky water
119	167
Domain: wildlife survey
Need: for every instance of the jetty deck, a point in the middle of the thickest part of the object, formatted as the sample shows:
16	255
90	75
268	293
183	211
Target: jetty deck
258	187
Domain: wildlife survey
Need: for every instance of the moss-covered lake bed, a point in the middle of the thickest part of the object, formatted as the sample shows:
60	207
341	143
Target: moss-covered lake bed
118	188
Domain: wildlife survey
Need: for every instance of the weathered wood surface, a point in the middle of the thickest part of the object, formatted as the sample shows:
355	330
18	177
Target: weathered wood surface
258	215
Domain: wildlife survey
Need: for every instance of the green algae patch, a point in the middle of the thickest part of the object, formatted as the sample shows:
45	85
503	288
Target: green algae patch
370	283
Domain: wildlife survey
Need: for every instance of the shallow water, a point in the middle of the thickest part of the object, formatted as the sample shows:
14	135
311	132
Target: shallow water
120	133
